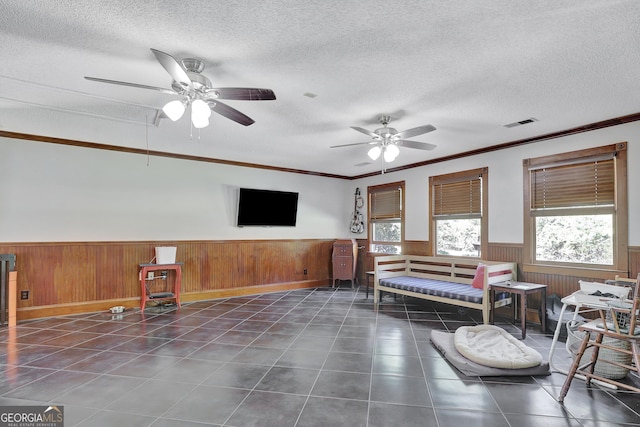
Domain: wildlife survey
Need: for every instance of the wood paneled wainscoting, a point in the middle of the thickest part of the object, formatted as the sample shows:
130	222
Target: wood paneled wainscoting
75	277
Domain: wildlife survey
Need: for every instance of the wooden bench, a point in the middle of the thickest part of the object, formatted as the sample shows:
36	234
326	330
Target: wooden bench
442	279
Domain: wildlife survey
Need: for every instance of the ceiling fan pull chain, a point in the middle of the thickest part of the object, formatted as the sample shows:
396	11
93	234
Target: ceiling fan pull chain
146	135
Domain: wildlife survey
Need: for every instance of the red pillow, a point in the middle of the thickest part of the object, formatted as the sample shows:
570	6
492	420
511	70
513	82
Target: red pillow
478	279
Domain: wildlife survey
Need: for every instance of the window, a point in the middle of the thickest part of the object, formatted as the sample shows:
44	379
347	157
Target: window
576	209
458	213
386	218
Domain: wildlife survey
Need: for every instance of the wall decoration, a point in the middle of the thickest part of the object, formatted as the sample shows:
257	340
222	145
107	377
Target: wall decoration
357	222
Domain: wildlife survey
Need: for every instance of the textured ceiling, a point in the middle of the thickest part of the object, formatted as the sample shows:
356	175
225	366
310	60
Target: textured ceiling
466	67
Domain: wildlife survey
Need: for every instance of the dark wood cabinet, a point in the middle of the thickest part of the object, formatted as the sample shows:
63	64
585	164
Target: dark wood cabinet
345	257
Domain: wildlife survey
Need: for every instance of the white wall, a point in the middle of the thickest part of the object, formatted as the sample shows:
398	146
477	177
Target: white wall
52	192
505	182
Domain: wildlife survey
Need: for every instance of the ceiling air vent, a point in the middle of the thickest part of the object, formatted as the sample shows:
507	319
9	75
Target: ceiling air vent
521	122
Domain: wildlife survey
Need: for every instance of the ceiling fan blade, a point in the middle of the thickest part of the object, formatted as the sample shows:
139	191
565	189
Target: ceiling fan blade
242	94
415	144
116	82
357	143
230	113
173	67
415	131
366	132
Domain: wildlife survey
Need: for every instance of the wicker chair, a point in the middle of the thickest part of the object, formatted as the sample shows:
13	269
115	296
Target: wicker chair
619	322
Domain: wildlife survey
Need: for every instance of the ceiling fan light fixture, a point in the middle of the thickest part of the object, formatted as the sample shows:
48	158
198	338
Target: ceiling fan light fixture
200	108
199	122
374	153
174	109
390	153
200	113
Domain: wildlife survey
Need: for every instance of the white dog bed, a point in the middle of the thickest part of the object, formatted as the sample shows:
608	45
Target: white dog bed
443	341
492	346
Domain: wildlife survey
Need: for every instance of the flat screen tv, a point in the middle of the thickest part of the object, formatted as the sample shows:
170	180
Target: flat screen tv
267	208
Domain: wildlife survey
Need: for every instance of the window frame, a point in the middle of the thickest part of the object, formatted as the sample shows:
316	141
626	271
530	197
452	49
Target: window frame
455	177
620	213
400	185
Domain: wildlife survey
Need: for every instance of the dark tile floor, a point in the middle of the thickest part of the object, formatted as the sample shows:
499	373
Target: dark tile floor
313	357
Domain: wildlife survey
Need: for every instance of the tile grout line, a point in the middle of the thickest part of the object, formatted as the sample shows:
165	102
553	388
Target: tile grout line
276	361
424	373
327	356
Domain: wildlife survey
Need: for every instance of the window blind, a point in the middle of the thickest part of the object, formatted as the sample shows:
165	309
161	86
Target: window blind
590	184
386	204
462	197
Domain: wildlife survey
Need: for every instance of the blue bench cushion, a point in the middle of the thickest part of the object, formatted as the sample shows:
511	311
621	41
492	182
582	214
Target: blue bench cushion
440	288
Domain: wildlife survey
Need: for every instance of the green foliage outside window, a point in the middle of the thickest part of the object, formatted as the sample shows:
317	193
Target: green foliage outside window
458	237
387	237
584	239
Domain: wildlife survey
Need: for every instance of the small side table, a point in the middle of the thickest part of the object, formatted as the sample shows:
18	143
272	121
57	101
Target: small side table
147	295
521	290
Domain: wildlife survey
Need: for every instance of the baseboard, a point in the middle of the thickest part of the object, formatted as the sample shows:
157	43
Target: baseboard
29	313
251	290
38	312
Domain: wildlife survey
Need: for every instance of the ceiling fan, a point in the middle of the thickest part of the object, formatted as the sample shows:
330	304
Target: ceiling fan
386	140
196	91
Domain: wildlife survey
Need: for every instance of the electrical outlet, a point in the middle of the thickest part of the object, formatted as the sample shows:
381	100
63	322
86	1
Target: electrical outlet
305	271
24	294
150	275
